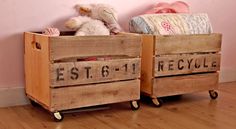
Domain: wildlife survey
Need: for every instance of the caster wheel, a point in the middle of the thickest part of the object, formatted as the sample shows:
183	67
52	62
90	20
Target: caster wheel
157	102
134	105
33	103
213	94
58	116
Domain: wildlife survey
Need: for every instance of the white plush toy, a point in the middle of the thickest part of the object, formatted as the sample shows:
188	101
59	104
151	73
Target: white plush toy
102	12
87	26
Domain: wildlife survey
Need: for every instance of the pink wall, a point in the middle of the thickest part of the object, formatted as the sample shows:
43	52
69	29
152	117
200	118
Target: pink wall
30	15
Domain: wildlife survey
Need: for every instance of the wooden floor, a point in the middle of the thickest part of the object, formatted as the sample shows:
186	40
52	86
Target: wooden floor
192	111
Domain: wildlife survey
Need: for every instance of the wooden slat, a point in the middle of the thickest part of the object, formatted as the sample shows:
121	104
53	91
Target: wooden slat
186	64
85	72
37	67
166	86
128	33
175	44
147	62
96	94
80	46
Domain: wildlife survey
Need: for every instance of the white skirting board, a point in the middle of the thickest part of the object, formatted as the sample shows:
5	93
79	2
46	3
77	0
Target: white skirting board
16	95
13	97
227	75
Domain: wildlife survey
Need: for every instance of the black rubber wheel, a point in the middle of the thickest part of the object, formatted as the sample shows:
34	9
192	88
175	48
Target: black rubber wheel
213	94
33	103
157	102
58	116
134	105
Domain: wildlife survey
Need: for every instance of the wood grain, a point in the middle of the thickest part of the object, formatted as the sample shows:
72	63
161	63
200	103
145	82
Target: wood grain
95	94
147	63
86	72
170	55
36	59
186	64
46	56
175	85
176	44
84	46
191	111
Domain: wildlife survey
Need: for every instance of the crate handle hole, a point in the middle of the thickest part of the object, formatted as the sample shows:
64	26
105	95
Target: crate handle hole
36	45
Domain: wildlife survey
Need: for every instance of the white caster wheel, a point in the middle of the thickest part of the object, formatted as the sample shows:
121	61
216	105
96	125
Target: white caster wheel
134	105
156	102
58	116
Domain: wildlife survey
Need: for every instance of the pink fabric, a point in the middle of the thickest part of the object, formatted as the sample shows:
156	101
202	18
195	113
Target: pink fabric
51	31
175	7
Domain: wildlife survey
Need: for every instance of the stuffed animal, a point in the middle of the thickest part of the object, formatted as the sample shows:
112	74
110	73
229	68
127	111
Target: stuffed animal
87	26
175	7
102	12
50	31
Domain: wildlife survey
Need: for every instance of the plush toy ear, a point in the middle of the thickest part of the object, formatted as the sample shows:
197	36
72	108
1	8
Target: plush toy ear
83	9
180	7
163	7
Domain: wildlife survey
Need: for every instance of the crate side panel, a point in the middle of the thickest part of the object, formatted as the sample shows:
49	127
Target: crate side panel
36	59
175	44
85	72
28	39
147	63
176	85
166	65
95	94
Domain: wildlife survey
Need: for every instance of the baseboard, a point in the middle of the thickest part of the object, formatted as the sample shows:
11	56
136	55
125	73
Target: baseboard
227	75
13	97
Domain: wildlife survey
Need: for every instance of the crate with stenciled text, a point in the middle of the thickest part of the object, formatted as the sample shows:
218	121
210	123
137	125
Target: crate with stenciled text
180	64
68	72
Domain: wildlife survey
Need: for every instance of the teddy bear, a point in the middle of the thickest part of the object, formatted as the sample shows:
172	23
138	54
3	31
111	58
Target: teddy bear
84	25
102	12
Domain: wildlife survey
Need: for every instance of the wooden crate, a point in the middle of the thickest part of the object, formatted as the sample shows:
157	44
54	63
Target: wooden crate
57	79
179	64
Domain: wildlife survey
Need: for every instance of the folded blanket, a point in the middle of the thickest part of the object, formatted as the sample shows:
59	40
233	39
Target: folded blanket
171	24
